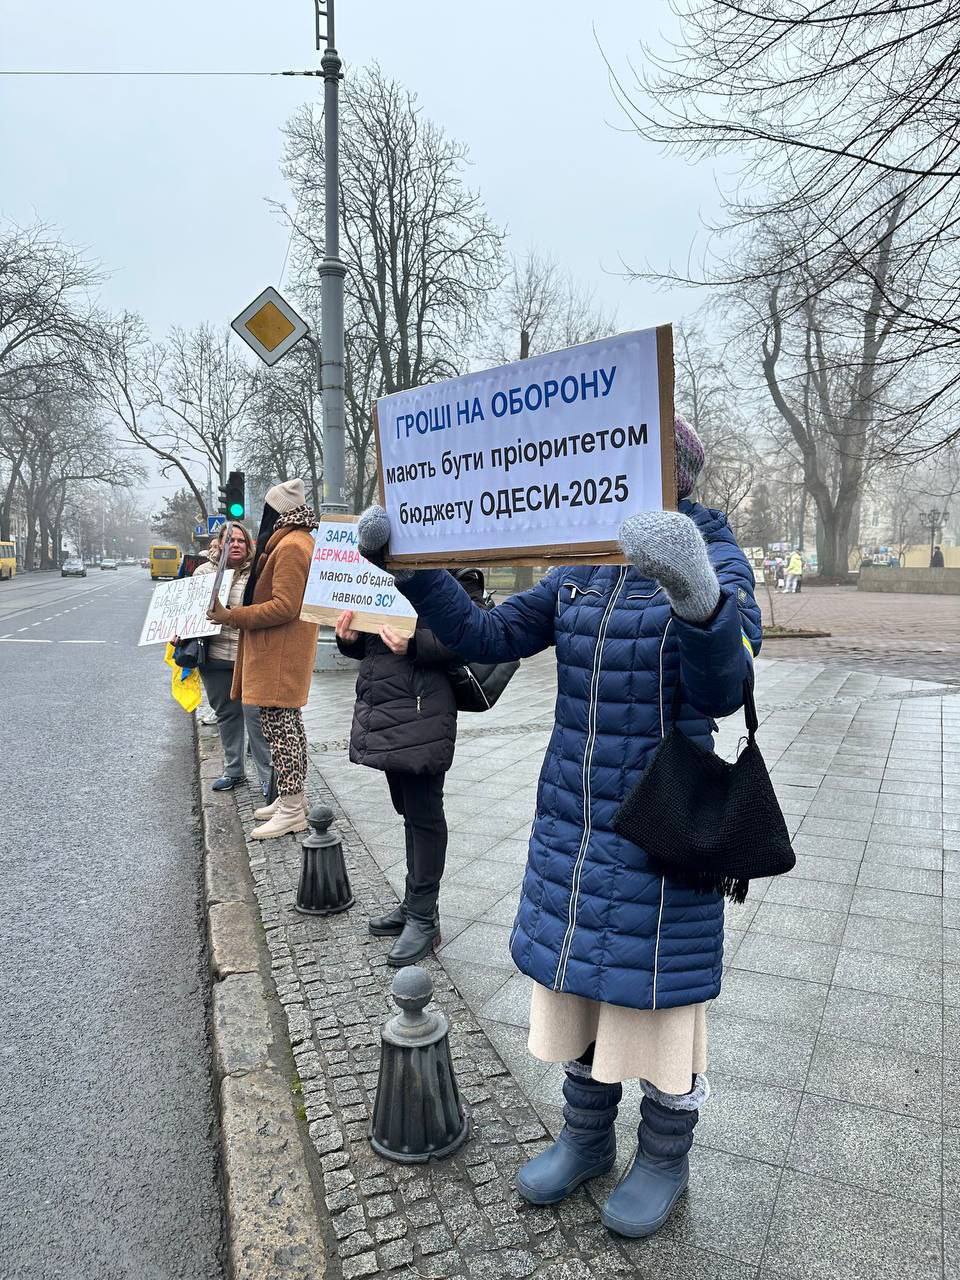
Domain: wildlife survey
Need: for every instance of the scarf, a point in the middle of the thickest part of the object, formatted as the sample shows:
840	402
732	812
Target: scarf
301	517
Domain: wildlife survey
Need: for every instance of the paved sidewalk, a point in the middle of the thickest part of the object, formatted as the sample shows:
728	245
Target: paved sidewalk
831	1146
897	633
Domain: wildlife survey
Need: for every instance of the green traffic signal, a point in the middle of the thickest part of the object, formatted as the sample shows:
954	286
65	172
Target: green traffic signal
233	496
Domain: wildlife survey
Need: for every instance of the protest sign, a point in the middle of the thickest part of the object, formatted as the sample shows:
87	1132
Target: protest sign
530	462
340	579
179	608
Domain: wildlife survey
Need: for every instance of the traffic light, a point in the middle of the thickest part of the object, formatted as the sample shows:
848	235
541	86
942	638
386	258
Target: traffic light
232	498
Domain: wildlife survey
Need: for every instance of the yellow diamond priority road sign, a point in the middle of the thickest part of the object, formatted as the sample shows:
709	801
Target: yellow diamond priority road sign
270	326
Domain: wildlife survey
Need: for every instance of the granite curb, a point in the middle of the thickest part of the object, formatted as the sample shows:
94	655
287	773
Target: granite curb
273	1222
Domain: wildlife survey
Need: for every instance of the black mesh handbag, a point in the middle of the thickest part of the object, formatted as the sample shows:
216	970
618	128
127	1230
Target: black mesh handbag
706	823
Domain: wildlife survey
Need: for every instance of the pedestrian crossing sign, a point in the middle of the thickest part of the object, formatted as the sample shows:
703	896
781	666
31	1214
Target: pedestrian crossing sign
270	326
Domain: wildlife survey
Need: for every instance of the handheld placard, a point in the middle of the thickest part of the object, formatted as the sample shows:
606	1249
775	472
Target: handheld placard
222	564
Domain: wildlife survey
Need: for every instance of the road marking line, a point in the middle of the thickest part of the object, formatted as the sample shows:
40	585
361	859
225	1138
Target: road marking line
14	640
81	642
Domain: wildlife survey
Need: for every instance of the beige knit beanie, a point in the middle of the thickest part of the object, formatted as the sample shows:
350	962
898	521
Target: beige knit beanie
286	496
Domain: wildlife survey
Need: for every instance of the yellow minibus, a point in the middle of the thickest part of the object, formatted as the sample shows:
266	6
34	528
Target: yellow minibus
8	560
164	562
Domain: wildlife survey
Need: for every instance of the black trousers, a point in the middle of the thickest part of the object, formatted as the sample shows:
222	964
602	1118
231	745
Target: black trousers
418	798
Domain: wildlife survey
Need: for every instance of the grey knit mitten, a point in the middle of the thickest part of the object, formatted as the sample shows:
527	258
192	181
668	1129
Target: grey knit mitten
668	546
373	534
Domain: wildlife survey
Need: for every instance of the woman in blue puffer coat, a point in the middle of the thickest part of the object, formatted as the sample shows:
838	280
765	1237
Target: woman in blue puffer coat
623	960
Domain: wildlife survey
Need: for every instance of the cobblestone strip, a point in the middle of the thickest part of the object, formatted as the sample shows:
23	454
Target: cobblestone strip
270	1206
457	1218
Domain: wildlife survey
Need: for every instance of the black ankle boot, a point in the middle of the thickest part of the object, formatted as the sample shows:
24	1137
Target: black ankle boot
421	930
389	925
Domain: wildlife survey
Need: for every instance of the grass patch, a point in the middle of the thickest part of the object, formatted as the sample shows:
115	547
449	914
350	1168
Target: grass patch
793	633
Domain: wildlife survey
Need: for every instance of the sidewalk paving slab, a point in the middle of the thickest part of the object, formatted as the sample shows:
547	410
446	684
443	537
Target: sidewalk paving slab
824	1151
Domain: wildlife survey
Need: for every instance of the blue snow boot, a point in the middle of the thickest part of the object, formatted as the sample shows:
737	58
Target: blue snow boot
586	1147
641	1202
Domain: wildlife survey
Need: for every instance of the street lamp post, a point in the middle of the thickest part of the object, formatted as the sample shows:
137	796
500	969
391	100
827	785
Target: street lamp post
332	273
933	520
329	355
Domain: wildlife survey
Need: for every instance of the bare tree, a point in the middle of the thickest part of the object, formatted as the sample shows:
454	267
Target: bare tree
282	434
125	371
105	519
363	383
184	402
540	308
822	345
44	308
707	397
15	443
203	389
60	445
842	115
900	493
421	254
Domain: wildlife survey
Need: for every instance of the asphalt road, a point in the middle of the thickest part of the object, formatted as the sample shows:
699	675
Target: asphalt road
108	1138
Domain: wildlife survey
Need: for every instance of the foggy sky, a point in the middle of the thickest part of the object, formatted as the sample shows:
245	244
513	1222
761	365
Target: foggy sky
166	180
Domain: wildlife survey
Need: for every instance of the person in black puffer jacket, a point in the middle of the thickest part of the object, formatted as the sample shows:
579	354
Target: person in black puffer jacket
405	723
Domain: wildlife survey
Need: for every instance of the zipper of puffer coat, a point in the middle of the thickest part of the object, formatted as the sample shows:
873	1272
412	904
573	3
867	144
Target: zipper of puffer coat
587	798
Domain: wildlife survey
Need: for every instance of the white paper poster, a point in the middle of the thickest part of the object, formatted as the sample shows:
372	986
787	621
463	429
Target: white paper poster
341	579
554	451
179	608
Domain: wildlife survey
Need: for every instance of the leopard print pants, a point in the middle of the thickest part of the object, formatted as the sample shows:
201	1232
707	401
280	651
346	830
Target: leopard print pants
283	729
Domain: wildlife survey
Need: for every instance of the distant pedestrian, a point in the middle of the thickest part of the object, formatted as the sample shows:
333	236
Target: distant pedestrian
232	718
795	572
623	959
405	723
936	558
277	651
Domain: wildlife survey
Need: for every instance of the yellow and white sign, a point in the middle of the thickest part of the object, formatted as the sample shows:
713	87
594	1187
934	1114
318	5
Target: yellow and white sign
341	579
270	326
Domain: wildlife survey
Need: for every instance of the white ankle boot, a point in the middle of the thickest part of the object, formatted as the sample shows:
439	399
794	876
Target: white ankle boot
288	816
268	810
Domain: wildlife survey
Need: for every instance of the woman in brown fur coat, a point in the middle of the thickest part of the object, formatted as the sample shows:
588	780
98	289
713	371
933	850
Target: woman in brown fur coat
276	651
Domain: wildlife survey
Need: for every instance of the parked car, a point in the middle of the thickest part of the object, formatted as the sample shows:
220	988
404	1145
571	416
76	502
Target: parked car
73	569
108	564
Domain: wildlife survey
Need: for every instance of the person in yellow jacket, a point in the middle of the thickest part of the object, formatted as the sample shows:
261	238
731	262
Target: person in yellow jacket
794	571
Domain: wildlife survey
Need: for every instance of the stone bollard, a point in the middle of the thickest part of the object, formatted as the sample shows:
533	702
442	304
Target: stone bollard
324	887
417	1115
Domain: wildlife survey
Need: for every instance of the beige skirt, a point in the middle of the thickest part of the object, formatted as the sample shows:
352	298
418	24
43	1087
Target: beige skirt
665	1046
